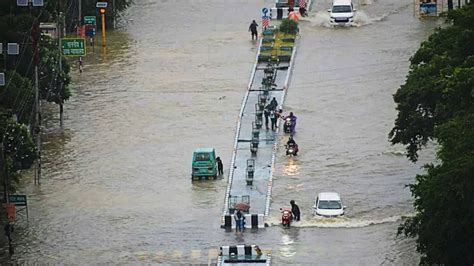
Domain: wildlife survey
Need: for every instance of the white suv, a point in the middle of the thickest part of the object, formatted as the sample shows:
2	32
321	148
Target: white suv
328	204
342	12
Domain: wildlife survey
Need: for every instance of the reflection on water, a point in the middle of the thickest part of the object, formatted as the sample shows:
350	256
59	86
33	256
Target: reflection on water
288	238
291	168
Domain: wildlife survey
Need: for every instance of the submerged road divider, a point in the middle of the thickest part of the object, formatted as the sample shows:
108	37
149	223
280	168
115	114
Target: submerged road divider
252	166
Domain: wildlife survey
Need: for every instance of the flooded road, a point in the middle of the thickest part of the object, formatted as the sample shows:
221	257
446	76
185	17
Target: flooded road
116	186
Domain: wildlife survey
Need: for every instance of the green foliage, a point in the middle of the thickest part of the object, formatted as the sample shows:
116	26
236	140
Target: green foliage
289	26
54	84
436	102
89	9
438	86
17	96
20	150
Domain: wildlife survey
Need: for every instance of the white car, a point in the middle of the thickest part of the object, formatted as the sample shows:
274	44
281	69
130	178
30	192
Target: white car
328	204
341	12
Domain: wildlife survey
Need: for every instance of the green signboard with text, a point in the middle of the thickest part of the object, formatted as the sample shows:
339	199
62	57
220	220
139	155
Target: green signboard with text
18	200
90	20
73	46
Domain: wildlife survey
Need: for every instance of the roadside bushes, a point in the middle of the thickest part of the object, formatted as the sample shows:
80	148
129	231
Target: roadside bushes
289	26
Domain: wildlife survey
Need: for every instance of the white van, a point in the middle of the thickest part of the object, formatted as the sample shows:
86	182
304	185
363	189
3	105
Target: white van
341	12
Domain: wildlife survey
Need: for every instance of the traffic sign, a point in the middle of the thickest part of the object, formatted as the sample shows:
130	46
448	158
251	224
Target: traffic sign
90	20
2	79
264	11
101	5
18	200
90	30
73	46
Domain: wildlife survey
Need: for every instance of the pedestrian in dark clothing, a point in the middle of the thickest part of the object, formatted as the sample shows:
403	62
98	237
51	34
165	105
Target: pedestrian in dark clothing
8	229
239	221
220	166
295	210
266	113
253	29
273	104
273	118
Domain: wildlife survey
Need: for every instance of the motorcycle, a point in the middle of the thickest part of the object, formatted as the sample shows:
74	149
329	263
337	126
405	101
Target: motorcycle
288	125
286	217
292	149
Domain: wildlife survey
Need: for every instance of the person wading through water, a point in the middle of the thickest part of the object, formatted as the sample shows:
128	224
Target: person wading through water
253	29
220	166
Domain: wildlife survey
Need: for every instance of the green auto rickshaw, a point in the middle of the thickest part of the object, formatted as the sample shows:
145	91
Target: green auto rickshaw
204	164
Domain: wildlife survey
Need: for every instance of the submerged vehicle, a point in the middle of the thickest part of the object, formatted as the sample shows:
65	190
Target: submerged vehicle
292	149
287	126
286	217
204	164
341	13
328	204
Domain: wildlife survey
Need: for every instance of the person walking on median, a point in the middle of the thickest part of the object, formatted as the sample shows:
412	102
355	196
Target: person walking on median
273	118
266	113
253	29
273	104
239	221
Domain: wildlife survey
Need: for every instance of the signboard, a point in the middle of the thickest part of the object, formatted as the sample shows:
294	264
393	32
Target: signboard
2	79
101	5
18	200
38	3
90	30
22	2
428	8
73	46
13	48
90	20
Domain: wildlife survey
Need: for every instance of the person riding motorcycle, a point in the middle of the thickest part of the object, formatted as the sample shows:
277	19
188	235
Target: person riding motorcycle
292	117
292	143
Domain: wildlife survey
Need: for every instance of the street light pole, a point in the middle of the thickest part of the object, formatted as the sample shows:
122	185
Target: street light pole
80	12
103	28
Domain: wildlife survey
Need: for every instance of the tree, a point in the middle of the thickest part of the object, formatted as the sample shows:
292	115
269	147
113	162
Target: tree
20	150
436	103
17	96
289	26
89	9
54	83
439	84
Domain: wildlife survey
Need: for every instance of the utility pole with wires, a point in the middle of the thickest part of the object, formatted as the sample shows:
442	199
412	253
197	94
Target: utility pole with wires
80	12
60	35
37	128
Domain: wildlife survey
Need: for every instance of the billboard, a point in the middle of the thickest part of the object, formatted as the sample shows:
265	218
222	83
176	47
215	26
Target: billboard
428	8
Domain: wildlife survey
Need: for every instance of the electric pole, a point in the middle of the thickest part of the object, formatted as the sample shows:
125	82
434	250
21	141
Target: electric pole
60	35
3	172
80	12
35	36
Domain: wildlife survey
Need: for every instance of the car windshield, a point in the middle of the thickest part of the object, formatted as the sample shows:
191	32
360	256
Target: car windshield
329	204
341	9
203	157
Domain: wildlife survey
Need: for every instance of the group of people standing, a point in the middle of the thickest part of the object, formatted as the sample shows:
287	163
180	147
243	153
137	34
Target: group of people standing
271	112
